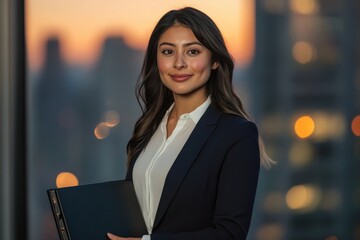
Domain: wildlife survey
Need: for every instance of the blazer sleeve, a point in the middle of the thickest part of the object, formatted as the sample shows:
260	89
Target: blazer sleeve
237	185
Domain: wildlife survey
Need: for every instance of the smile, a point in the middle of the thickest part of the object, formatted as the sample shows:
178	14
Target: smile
180	77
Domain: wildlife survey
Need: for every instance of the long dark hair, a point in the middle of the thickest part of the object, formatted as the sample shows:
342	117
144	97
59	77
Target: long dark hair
155	98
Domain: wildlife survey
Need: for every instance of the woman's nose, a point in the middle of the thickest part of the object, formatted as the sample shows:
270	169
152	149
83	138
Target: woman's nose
179	62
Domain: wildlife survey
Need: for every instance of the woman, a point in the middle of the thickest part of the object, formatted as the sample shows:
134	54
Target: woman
194	157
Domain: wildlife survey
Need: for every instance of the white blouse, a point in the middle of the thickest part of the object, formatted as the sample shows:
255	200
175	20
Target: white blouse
154	162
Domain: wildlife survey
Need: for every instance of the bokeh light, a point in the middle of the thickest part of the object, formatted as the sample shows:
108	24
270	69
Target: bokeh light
304	126
112	118
304	6
355	126
66	179
302	197
102	131
303	52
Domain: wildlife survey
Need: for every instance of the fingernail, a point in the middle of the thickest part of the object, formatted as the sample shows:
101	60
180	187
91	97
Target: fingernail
109	235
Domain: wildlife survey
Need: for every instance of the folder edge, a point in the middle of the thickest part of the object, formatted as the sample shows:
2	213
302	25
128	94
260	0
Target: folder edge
57	211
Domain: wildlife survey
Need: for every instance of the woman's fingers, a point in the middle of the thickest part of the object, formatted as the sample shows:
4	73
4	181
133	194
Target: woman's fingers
114	237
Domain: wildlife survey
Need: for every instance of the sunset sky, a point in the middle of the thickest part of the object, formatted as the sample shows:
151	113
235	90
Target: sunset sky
82	25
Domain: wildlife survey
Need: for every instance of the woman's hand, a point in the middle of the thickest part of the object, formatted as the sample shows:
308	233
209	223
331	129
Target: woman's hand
114	237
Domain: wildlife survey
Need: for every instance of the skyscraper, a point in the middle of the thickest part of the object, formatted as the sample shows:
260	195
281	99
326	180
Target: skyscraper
306	94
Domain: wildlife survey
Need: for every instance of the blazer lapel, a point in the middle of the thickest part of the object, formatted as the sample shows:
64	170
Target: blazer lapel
185	159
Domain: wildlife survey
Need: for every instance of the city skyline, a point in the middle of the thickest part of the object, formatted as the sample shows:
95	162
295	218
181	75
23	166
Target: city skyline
82	26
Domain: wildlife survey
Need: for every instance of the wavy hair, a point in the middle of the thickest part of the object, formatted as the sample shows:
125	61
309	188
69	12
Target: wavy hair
154	98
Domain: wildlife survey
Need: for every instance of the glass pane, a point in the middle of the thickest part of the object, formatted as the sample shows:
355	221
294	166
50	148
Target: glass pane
302	84
84	59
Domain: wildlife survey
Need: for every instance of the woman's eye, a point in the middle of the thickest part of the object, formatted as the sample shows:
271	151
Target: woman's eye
193	52
167	52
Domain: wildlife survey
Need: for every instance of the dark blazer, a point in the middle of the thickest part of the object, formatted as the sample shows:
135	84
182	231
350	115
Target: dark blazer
210	189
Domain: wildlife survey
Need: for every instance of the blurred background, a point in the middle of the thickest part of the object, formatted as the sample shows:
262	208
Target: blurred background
297	70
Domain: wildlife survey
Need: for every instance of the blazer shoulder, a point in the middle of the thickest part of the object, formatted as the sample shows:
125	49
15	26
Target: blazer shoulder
237	125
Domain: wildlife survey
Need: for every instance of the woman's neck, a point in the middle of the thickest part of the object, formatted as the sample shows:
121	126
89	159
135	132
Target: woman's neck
185	104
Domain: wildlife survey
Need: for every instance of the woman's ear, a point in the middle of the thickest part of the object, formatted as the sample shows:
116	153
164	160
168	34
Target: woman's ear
215	65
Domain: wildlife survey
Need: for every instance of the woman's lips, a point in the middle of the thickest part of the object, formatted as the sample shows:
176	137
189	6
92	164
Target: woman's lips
180	77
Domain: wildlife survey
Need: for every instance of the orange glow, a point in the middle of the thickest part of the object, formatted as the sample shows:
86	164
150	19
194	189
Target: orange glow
302	197
66	179
297	197
304	126
102	131
355	126
112	118
303	52
82	26
304	6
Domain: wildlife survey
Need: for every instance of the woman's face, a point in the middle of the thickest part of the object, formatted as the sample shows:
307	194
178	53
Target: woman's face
184	63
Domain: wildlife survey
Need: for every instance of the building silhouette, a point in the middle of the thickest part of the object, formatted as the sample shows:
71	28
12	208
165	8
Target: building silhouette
67	103
52	115
111	89
307	63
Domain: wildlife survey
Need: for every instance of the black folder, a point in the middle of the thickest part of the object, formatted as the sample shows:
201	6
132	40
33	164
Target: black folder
90	211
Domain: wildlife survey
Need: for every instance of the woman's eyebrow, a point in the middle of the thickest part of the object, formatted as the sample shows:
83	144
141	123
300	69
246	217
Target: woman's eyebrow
185	44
